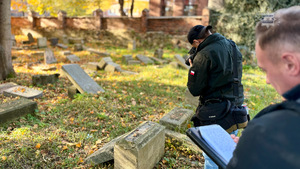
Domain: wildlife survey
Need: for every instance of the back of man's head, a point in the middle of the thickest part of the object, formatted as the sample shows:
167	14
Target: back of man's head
282	33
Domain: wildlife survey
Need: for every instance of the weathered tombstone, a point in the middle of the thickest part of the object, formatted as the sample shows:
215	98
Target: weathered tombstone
93	66
176	119
5	86
44	79
141	148
65	39
62	46
181	61
157	60
190	99
112	67
97	52
159	53
73	58
30	38
42	42
53	41
78	47
49	57
23	91
144	59
82	81
126	58
104	62
72	91
133	62
132	45
66	53
105	153
16	108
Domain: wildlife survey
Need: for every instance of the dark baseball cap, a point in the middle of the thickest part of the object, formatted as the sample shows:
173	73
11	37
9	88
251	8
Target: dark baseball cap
197	32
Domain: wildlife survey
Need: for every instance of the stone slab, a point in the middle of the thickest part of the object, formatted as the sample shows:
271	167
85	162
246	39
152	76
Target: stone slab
62	46
104	62
66	52
53	41
190	99
23	91
73	58
104	154
82	81
142	148
112	67
72	91
49	57
159	61
44	79
177	118
42	42
181	62
144	59
133	62
16	108
97	52
93	66
5	86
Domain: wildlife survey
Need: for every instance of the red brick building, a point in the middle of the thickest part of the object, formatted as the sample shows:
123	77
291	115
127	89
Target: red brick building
177	7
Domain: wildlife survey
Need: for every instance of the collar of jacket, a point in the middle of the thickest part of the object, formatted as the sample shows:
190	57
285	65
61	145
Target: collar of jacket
210	39
293	94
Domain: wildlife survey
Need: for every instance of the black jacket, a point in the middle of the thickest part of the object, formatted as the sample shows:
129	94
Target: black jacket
272	139
211	75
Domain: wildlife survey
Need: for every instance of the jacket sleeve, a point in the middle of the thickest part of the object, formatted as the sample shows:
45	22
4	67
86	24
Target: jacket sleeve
198	74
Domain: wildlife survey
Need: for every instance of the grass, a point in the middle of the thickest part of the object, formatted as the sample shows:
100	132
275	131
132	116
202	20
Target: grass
63	132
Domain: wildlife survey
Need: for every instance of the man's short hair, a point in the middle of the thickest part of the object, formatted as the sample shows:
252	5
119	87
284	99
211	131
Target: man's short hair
281	30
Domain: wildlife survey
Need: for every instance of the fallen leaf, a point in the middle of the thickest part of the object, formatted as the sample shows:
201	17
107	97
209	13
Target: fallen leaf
38	145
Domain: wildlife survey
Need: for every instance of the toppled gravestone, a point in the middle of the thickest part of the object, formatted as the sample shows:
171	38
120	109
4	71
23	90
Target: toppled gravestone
144	59
181	62
141	148
23	91
177	118
16	108
44	79
5	86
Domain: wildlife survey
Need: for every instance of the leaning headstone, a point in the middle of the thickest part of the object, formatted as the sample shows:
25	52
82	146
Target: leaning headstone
159	53
49	57
44	79
176	119
181	61
62	46
23	91
144	59
82	81
105	153
53	41
141	148
104	62
112	67
190	99
30	38
42	42
5	86
16	108
73	58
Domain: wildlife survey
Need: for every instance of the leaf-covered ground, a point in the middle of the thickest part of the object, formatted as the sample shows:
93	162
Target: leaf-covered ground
63	132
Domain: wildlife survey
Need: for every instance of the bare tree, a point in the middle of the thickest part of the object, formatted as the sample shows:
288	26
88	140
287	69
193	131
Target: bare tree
6	67
131	8
121	2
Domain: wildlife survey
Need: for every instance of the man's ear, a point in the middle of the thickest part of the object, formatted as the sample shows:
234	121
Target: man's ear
291	63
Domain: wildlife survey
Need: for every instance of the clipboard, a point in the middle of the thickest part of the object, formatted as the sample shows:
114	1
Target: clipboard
195	135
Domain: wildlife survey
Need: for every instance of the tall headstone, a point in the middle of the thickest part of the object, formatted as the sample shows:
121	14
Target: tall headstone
49	57
30	38
80	79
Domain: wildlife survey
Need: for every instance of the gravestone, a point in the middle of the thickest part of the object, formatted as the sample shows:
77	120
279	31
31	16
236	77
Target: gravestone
174	65
65	39
128	59
72	91
16	108
97	52
104	62
23	91
42	42
82	81
144	59
53	41
30	38
49	57
177	118
62	46
73	58
133	62
181	62
132	45
78	47
157	60
142	148
38	54
93	66
190	99
44	79
66	52
112	67
159	53
5	86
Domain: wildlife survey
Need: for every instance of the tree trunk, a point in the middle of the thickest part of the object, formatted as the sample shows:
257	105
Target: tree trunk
131	8
6	67
121	2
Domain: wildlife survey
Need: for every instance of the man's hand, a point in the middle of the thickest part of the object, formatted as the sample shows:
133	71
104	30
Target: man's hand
235	138
191	63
